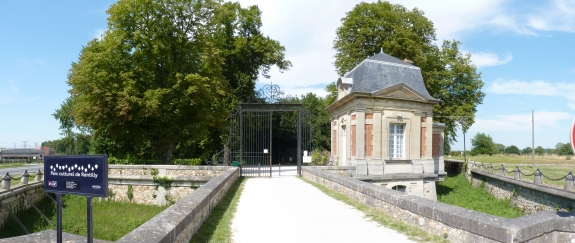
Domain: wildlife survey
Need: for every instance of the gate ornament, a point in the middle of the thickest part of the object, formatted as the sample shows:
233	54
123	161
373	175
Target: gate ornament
271	94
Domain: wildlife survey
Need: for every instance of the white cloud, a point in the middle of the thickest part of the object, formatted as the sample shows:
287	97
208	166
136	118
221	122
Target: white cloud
488	59
537	87
99	33
519	122
307	30
558	15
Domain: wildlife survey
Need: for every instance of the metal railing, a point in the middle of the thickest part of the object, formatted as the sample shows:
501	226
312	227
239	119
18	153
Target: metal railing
517	173
7	179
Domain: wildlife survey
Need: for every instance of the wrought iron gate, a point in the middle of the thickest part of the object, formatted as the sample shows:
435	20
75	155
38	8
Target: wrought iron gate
251	133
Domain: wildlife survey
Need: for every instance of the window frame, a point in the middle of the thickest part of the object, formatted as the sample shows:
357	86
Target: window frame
393	141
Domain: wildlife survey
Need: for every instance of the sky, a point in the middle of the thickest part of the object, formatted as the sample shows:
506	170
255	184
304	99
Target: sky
523	49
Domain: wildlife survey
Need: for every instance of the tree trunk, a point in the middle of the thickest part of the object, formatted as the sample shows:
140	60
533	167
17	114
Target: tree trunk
168	154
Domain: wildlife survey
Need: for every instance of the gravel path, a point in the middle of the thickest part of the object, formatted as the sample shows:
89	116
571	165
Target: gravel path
286	209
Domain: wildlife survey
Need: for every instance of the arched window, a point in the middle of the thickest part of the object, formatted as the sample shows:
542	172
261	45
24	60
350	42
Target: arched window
399	188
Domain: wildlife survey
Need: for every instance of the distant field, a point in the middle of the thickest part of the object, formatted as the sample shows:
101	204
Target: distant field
552	166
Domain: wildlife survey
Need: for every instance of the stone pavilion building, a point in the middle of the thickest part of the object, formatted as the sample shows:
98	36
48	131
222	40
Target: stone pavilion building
382	123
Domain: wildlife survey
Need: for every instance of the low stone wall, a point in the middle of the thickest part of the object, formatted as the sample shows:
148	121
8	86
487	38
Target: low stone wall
453	223
340	170
157	184
527	197
180	221
13	199
175	224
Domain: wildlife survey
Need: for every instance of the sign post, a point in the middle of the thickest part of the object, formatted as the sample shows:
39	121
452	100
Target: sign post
85	175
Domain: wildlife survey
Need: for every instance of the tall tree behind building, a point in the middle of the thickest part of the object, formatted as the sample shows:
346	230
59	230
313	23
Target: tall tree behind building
449	75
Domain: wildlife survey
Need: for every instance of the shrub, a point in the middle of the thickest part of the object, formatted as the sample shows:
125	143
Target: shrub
319	157
195	161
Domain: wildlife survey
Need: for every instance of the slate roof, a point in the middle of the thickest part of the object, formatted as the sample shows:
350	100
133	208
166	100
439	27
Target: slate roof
382	71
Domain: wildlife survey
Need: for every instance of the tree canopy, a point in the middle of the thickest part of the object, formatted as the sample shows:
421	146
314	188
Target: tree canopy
482	144
563	149
166	73
512	149
449	75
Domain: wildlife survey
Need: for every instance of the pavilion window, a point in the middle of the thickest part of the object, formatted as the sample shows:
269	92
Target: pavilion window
396	140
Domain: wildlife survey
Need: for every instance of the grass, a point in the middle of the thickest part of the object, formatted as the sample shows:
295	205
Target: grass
111	220
457	190
383	219
12	165
217	227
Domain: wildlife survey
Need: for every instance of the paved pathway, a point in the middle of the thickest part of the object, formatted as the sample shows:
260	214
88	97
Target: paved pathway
286	209
32	168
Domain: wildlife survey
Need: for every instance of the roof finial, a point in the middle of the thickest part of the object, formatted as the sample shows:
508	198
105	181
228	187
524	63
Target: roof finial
382	50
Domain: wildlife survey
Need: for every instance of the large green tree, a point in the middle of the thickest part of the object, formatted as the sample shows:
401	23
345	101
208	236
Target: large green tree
483	144
449	75
166	73
563	149
512	150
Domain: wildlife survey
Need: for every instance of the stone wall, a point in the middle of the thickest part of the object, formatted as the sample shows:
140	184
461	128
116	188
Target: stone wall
180	221
527	197
157	184
175	224
453	223
14	200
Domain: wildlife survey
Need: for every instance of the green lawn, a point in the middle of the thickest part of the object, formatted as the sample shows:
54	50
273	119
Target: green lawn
112	220
217	227
457	190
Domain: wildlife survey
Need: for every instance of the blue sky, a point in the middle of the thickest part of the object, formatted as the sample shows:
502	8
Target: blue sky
523	49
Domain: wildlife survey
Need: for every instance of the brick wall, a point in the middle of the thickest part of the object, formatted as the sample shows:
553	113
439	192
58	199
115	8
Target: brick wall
334	142
435	145
423	139
353	137
368	116
368	139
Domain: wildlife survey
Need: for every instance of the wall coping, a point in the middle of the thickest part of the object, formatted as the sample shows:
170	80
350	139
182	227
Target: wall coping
151	178
169	167
19	189
488	226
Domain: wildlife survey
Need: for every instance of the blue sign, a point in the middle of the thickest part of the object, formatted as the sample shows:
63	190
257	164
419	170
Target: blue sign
77	174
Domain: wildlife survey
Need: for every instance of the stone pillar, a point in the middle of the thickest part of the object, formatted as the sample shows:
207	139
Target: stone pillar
502	170
360	162
569	182
376	165
490	168
6	182
538	180
482	167
24	179
38	175
517	173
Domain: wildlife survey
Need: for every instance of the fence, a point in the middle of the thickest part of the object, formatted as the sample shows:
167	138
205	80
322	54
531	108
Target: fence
537	174
21	196
528	196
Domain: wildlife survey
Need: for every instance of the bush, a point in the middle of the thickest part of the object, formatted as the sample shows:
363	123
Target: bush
195	161
319	157
133	161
